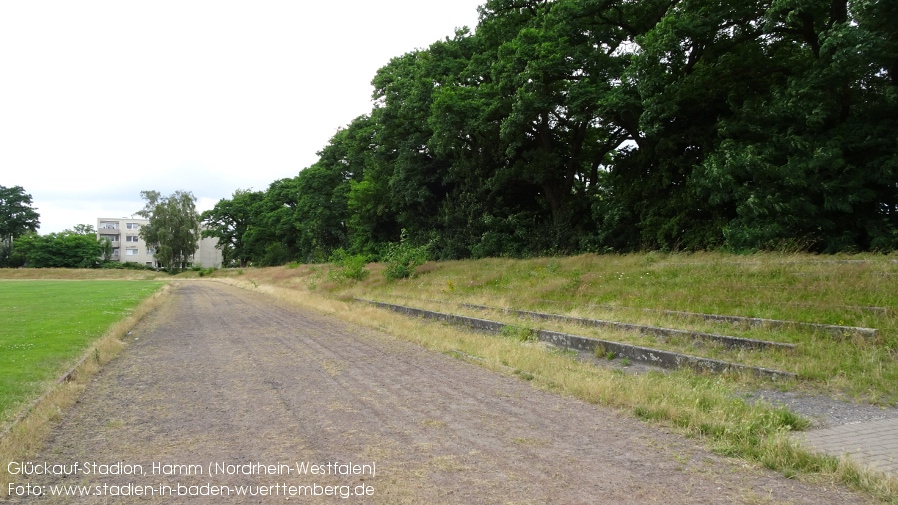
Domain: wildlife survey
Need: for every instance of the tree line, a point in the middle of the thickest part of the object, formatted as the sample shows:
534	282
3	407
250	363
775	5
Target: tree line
20	244
608	125
567	126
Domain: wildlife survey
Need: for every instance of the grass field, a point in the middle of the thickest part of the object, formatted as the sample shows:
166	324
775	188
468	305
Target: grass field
49	324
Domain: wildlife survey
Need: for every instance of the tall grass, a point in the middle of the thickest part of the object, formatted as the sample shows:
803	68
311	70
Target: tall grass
852	290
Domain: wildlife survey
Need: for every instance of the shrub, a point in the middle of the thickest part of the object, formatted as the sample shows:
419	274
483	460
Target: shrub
401	259
125	265
348	266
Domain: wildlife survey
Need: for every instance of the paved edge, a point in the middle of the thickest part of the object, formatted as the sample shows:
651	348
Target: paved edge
873	443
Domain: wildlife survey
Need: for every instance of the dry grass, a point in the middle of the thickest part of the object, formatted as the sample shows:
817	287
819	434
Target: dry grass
804	288
80	274
25	435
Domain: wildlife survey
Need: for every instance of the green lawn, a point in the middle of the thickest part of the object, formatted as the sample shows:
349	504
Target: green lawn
47	325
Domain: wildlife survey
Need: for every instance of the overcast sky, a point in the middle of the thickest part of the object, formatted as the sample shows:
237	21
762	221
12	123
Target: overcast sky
100	100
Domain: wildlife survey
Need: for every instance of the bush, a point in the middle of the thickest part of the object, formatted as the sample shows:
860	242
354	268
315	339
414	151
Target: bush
348	266
125	265
401	259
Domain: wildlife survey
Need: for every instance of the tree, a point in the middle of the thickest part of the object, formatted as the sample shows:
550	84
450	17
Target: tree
231	221
809	159
173	229
17	217
562	126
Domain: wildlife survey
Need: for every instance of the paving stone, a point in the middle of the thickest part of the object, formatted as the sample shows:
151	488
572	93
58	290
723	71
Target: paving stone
872	443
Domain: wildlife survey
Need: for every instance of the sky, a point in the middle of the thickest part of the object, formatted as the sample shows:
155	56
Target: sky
100	100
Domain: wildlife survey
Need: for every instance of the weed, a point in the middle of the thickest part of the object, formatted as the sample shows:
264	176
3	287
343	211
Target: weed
562	351
524	375
315	276
574	280
402	258
625	362
519	333
115	423
348	266
205	271
434	423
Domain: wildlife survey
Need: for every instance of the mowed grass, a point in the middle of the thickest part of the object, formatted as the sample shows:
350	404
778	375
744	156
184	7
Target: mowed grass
48	325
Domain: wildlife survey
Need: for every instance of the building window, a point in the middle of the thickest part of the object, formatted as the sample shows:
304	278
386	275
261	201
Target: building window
130	252
111	238
132	226
109	225
115	251
132	238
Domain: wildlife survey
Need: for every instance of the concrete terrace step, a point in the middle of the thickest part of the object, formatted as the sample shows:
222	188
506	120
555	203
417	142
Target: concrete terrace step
655	357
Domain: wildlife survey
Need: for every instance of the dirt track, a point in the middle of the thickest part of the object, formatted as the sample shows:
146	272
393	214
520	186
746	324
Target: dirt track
220	374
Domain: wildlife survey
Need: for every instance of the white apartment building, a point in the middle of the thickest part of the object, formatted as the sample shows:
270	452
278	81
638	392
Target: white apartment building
123	234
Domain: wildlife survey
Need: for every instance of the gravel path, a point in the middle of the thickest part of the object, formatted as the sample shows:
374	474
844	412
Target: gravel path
823	411
227	376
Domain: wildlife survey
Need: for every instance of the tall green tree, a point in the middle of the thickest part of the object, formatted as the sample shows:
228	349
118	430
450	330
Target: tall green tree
582	125
174	227
811	158
17	217
231	222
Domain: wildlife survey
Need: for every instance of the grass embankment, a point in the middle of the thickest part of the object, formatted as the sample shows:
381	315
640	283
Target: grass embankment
52	326
849	291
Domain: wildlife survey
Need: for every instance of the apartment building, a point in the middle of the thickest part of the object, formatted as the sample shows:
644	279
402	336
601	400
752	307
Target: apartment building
123	234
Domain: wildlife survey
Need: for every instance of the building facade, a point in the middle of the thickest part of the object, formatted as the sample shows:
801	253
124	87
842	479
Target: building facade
124	236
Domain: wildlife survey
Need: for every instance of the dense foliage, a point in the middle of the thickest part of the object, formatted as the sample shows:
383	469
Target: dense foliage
17	218
608	125
78	248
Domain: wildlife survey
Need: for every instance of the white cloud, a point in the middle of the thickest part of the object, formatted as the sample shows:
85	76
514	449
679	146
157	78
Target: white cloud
102	99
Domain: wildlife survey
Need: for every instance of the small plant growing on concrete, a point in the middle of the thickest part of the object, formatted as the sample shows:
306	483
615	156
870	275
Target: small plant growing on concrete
519	333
